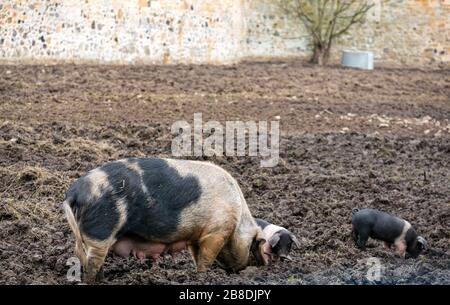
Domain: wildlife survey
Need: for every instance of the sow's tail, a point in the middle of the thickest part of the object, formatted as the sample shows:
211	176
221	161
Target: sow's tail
354	211
79	248
71	219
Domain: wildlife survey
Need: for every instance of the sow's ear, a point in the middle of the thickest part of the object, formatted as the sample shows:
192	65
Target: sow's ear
258	249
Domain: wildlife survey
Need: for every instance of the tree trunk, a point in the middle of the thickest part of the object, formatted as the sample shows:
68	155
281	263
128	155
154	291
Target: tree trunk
326	55
321	53
317	57
327	52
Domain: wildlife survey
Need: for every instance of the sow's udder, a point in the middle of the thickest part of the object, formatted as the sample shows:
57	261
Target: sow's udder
141	249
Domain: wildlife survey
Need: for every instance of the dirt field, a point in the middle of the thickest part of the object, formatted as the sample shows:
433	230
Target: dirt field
349	139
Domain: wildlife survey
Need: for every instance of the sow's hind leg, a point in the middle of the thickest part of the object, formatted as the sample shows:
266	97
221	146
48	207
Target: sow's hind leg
99	227
97	251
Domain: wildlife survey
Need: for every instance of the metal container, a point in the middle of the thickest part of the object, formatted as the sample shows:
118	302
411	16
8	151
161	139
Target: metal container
357	59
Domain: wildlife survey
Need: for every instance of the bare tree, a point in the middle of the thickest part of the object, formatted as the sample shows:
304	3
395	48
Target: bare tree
326	20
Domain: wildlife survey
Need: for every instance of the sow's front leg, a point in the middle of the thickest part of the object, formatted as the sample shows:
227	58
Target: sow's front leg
236	252
220	226
234	256
208	249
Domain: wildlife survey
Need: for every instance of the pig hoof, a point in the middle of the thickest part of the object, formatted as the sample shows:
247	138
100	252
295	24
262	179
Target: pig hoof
92	279
89	280
201	269
100	276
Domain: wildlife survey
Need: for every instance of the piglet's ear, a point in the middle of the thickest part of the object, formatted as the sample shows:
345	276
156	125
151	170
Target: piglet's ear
422	243
295	240
273	241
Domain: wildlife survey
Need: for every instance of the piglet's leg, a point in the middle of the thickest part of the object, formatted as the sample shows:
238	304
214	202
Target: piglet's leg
363	236
400	248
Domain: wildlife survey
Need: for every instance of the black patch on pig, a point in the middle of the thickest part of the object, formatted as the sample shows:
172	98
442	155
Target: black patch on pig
98	218
156	214
168	195
261	223
411	236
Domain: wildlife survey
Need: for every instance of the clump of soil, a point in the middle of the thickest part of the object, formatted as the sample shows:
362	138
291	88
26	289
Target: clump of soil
349	138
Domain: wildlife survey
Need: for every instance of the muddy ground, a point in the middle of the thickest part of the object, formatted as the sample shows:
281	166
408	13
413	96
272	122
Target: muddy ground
349	139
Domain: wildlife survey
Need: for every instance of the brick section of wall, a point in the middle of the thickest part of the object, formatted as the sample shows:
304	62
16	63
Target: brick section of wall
207	31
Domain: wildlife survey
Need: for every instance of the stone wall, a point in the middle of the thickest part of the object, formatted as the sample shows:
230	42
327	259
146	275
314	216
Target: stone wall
207	31
151	31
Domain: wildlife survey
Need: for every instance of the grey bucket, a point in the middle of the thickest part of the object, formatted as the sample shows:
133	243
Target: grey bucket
357	59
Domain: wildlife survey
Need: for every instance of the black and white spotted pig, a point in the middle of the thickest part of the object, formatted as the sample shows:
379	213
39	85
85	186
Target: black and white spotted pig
146	207
278	241
390	229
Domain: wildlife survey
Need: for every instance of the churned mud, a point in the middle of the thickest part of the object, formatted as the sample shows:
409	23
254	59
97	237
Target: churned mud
349	139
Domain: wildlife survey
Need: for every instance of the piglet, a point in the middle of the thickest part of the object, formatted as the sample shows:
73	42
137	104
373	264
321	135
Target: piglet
390	229
278	241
